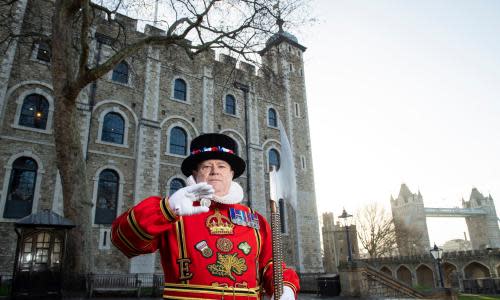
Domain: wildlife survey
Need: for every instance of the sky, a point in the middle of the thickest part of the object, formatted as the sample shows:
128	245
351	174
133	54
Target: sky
404	92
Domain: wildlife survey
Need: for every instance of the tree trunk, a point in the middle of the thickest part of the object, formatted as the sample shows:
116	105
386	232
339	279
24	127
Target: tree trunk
69	155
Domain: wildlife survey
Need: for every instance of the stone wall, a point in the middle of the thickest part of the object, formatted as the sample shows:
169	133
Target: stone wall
146	103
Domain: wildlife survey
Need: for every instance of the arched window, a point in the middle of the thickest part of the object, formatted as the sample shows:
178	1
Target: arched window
113	128
178	141
282	215
274	159
180	89
120	73
272	119
34	112
107	197
230	107
175	185
21	188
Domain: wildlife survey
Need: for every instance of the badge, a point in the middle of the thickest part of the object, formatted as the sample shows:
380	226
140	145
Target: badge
227	264
245	247
219	224
224	245
204	249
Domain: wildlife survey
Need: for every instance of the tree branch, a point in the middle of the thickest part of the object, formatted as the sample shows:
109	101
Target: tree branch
84	37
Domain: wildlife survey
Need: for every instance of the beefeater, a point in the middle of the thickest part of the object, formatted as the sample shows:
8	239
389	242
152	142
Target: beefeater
211	245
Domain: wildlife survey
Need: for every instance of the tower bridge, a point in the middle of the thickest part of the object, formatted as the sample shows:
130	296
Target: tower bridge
409	214
456	212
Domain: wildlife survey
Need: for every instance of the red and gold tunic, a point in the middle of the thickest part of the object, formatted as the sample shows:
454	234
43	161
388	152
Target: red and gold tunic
205	256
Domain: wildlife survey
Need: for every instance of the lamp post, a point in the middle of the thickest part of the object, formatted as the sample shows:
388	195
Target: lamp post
347	220
437	254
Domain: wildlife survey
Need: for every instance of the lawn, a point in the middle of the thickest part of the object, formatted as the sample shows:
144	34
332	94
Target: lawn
477	297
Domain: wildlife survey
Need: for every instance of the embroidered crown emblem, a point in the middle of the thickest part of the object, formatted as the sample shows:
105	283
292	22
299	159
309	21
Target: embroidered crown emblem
219	224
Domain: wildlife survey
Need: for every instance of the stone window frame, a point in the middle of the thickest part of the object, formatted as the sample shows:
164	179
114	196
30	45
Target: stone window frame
268	107
188	90
131	73
6	181
104	232
279	157
127	64
34	54
266	147
19	105
236	106
232	133
296	110
169	181
303	162
126	127
188	139
119	202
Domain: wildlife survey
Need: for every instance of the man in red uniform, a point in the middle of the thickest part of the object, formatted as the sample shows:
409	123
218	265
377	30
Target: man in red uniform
211	246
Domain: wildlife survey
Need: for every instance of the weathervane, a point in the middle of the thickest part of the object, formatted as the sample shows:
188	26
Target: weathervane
279	20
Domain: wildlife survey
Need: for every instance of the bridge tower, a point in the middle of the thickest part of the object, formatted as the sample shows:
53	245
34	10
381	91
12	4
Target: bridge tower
410	222
483	229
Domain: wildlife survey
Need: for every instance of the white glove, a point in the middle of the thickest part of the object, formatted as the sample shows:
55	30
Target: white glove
288	294
181	202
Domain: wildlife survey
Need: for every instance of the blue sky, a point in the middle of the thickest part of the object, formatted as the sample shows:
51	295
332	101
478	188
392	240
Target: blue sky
404	91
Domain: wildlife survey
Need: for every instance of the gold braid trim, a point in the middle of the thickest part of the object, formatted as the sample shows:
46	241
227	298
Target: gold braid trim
290	285
166	211
136	228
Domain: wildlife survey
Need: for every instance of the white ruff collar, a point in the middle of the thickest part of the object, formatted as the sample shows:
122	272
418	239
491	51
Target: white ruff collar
234	196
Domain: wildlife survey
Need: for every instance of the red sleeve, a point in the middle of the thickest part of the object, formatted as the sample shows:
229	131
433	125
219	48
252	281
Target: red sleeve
136	231
290	277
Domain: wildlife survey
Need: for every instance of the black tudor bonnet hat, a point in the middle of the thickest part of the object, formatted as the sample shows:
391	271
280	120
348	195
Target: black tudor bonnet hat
213	146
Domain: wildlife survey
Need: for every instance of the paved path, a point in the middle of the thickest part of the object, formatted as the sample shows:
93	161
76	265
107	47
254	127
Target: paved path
301	297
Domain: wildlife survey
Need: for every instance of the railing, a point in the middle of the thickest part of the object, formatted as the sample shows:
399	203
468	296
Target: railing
481	286
141	284
391	283
5	284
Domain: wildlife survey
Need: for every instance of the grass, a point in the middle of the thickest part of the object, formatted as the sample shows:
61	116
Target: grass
477	297
4	290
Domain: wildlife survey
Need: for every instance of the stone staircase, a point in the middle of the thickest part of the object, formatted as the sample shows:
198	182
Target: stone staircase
358	279
379	284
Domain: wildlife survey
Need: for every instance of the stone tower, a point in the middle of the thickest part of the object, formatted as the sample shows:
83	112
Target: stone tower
335	243
330	261
483	229
284	56
410	222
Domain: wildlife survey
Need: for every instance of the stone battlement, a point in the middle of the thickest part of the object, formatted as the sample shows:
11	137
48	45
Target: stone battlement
130	26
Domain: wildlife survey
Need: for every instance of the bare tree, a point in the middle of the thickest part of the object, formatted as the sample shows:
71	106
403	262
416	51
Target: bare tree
376	231
241	26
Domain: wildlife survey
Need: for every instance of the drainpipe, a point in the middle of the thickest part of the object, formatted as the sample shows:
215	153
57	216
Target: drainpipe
93	89
245	89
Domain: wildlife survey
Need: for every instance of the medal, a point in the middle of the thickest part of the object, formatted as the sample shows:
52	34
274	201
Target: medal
241	217
205	202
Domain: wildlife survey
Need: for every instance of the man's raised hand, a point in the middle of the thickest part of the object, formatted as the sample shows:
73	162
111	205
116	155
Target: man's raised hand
181	202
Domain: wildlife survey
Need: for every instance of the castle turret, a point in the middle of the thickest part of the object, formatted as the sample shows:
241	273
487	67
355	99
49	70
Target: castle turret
483	230
283	66
410	222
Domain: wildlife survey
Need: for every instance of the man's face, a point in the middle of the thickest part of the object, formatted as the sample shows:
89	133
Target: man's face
217	173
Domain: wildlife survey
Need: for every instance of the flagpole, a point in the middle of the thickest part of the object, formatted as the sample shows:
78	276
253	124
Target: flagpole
276	237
